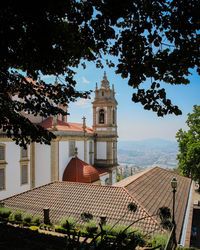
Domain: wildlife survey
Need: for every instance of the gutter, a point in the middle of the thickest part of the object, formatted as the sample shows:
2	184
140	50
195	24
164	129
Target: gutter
187	213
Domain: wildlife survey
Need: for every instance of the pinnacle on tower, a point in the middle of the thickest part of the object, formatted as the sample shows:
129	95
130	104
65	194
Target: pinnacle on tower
105	82
56	81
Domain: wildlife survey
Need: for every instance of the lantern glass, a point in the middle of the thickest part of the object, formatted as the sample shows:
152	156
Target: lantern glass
174	183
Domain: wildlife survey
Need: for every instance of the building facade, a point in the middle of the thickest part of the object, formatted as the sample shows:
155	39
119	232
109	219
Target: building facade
21	169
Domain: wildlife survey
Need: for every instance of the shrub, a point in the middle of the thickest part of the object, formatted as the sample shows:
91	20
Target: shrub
33	228
17	215
107	228
159	239
86	217
36	220
60	229
91	227
67	223
118	229
4	212
27	218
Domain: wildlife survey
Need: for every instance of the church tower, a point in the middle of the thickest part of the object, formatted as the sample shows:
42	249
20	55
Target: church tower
105	126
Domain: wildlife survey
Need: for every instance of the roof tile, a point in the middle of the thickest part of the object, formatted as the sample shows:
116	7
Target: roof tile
153	190
64	126
70	199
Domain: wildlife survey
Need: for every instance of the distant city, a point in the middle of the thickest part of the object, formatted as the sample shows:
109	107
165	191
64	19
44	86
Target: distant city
136	156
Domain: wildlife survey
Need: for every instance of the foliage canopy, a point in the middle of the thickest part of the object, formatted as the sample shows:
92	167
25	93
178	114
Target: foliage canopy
189	146
157	40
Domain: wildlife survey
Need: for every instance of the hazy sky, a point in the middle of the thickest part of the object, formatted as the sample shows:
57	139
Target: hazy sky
135	123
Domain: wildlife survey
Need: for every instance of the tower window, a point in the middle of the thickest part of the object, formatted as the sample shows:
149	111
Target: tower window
102	93
113	116
101	116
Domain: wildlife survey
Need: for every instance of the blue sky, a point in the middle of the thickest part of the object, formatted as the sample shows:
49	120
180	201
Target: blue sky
135	123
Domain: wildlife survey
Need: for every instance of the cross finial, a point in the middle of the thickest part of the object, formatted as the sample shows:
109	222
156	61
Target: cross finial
75	152
84	124
105	82
54	123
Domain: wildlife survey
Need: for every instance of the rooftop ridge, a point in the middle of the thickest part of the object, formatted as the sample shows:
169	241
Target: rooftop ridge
179	176
125	182
91	184
132	178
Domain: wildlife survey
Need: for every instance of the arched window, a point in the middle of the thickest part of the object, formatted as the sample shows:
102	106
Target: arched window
113	116
101	116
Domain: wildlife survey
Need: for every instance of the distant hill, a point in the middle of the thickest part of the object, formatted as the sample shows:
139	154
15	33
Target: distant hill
147	152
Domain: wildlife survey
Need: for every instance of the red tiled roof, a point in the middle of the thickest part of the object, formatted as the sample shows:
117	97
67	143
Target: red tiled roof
70	199
80	171
64	126
153	190
149	191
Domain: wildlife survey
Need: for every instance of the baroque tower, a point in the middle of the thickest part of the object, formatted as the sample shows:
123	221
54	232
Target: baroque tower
105	126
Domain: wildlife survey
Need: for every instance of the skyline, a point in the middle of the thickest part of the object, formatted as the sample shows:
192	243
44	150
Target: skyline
134	123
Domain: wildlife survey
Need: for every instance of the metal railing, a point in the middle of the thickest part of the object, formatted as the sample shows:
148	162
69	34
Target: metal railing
171	243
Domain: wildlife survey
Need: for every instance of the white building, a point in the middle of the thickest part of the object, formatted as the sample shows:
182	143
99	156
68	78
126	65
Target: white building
95	158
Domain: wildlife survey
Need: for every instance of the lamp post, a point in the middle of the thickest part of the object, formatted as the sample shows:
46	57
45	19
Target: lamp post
174	186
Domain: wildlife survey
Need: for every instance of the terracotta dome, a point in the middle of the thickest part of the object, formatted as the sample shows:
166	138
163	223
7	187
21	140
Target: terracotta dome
80	171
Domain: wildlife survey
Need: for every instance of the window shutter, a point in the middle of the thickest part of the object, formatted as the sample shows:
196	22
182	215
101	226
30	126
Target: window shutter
24	177
90	146
2	178
71	148
90	152
2	153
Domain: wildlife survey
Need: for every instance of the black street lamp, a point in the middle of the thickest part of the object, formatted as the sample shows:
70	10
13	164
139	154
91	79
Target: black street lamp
174	186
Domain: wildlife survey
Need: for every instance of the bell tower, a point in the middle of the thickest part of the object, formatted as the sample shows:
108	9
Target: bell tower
105	125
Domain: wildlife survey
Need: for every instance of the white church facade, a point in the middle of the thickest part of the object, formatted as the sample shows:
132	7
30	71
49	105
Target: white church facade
79	153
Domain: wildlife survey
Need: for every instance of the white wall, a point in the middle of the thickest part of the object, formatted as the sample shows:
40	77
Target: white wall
103	179
80	146
42	164
101	150
88	152
13	171
114	176
63	157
